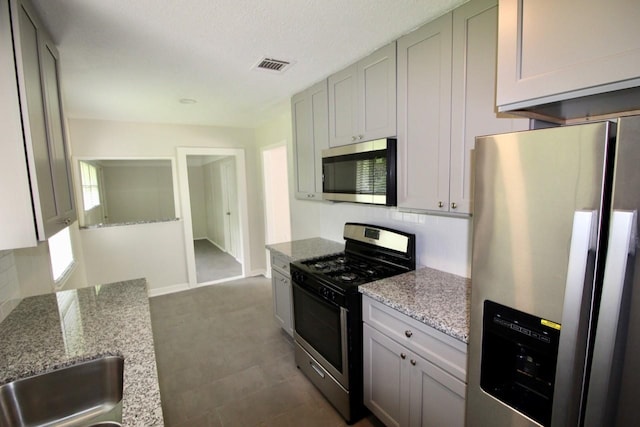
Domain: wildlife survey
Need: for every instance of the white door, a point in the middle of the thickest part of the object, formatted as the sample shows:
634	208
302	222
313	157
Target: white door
230	207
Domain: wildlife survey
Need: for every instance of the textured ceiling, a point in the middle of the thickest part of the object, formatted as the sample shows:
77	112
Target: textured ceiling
134	60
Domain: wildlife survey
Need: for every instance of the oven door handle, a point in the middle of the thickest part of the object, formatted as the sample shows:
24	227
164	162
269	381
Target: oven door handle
345	344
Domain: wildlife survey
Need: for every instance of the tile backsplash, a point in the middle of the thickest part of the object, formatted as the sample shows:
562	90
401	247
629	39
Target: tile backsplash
9	286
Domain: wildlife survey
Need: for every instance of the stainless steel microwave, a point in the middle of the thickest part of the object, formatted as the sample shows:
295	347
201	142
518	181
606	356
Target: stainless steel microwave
361	173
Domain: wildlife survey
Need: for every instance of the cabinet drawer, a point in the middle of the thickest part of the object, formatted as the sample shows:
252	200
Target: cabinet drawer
438	348
280	263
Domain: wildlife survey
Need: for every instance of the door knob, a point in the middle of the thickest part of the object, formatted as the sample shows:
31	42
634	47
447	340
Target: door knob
453	205
403	356
440	204
408	333
413	362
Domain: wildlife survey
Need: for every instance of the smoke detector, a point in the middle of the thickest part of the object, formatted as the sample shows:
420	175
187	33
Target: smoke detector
277	66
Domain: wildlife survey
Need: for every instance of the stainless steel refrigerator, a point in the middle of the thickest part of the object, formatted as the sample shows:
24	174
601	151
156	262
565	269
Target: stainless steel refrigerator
555	301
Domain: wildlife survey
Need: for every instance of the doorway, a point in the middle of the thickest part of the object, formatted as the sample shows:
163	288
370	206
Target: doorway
213	198
276	195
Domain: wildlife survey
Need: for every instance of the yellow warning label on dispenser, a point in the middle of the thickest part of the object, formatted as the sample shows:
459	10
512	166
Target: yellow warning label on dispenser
550	324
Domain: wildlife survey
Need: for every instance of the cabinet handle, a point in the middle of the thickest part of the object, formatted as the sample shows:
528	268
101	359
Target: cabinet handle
360	136
353	138
65	221
453	205
408	333
403	356
413	362
440	204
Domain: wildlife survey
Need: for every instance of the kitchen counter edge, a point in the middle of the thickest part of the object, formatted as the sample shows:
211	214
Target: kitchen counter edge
51	331
438	299
297	250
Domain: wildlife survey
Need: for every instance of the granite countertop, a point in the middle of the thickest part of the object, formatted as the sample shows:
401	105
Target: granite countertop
435	298
307	248
56	330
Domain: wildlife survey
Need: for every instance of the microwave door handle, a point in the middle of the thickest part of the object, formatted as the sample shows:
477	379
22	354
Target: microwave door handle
612	319
570	363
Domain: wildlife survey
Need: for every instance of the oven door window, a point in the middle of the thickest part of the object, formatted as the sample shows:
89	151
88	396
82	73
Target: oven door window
318	322
363	173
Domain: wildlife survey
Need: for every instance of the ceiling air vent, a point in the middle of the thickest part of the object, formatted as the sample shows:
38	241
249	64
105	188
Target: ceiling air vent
273	65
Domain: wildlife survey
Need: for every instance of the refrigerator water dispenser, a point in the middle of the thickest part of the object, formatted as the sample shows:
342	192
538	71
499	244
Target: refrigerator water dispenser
519	355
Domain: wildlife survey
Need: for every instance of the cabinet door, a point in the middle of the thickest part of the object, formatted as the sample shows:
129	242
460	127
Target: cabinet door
424	113
33	109
386	381
377	94
583	45
309	113
343	106
58	152
437	398
16	210
43	123
282	300
473	113
317	95
302	146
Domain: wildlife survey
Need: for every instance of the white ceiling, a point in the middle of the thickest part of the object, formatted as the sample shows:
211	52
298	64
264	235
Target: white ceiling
133	60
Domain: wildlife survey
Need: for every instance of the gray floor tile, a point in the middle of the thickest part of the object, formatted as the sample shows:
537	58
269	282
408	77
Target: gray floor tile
224	362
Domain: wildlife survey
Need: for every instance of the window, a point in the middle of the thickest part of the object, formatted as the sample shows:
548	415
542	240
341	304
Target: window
90	188
61	254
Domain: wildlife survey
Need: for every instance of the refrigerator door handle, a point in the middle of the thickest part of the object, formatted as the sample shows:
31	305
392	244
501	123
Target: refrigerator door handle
570	364
605	374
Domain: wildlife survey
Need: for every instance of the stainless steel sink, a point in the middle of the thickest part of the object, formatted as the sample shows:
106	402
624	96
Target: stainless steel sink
86	394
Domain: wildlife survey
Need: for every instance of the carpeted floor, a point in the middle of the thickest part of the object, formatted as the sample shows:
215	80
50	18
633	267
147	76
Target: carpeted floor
214	264
224	361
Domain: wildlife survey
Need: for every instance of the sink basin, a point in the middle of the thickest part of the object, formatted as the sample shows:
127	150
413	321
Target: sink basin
86	394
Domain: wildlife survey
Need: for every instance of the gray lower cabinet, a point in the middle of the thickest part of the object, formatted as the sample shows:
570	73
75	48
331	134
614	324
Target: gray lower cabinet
282	293
584	47
413	374
41	136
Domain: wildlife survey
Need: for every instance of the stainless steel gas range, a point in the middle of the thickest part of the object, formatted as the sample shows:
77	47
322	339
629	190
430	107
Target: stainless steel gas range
328	309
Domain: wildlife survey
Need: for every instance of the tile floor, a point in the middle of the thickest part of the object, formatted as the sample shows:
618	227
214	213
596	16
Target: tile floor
223	361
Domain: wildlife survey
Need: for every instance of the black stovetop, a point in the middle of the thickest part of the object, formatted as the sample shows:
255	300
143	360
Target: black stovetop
347	270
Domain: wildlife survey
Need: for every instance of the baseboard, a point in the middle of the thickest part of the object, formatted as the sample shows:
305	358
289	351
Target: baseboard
165	290
257	272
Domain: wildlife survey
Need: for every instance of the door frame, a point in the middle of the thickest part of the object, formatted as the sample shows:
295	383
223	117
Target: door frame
185	203
265	199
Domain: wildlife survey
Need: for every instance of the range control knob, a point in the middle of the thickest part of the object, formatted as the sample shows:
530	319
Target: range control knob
298	277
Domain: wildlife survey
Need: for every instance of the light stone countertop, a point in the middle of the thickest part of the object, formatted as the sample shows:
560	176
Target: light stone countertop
307	248
50	331
438	299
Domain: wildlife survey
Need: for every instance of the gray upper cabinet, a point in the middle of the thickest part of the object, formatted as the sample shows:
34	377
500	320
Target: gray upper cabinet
362	99
16	211
42	135
310	136
555	50
446	97
424	116
473	88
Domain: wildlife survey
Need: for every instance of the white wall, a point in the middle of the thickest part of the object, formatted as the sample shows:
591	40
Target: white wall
127	252
167	265
151	197
9	287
